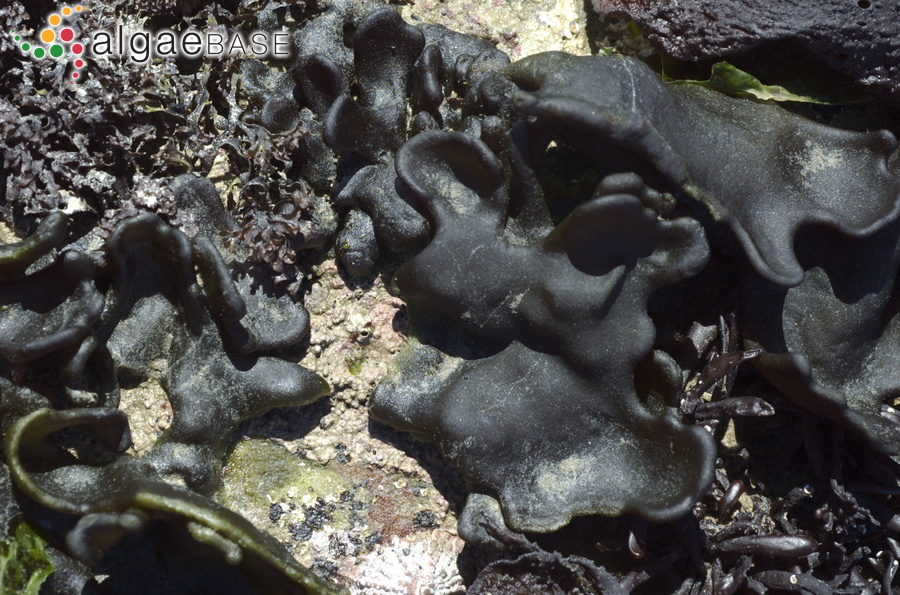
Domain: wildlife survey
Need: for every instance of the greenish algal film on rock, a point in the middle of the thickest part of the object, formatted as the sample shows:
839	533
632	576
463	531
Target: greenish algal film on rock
256	469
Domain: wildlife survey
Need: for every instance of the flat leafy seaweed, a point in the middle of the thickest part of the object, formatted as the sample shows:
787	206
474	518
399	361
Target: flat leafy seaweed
842	362
211	387
549	416
125	494
588	255
730	79
782	172
175	309
51	309
395	66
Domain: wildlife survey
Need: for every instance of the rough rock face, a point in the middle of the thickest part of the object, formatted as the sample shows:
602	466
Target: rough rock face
859	39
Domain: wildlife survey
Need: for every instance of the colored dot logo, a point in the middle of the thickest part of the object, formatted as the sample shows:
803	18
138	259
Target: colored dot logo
57	40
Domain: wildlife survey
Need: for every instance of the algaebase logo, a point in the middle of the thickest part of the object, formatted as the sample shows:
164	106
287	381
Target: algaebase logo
57	41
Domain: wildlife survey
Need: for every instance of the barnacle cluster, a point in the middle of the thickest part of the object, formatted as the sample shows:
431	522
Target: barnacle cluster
642	315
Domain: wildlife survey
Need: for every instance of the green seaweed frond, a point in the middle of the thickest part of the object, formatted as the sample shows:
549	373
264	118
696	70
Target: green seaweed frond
24	564
730	79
